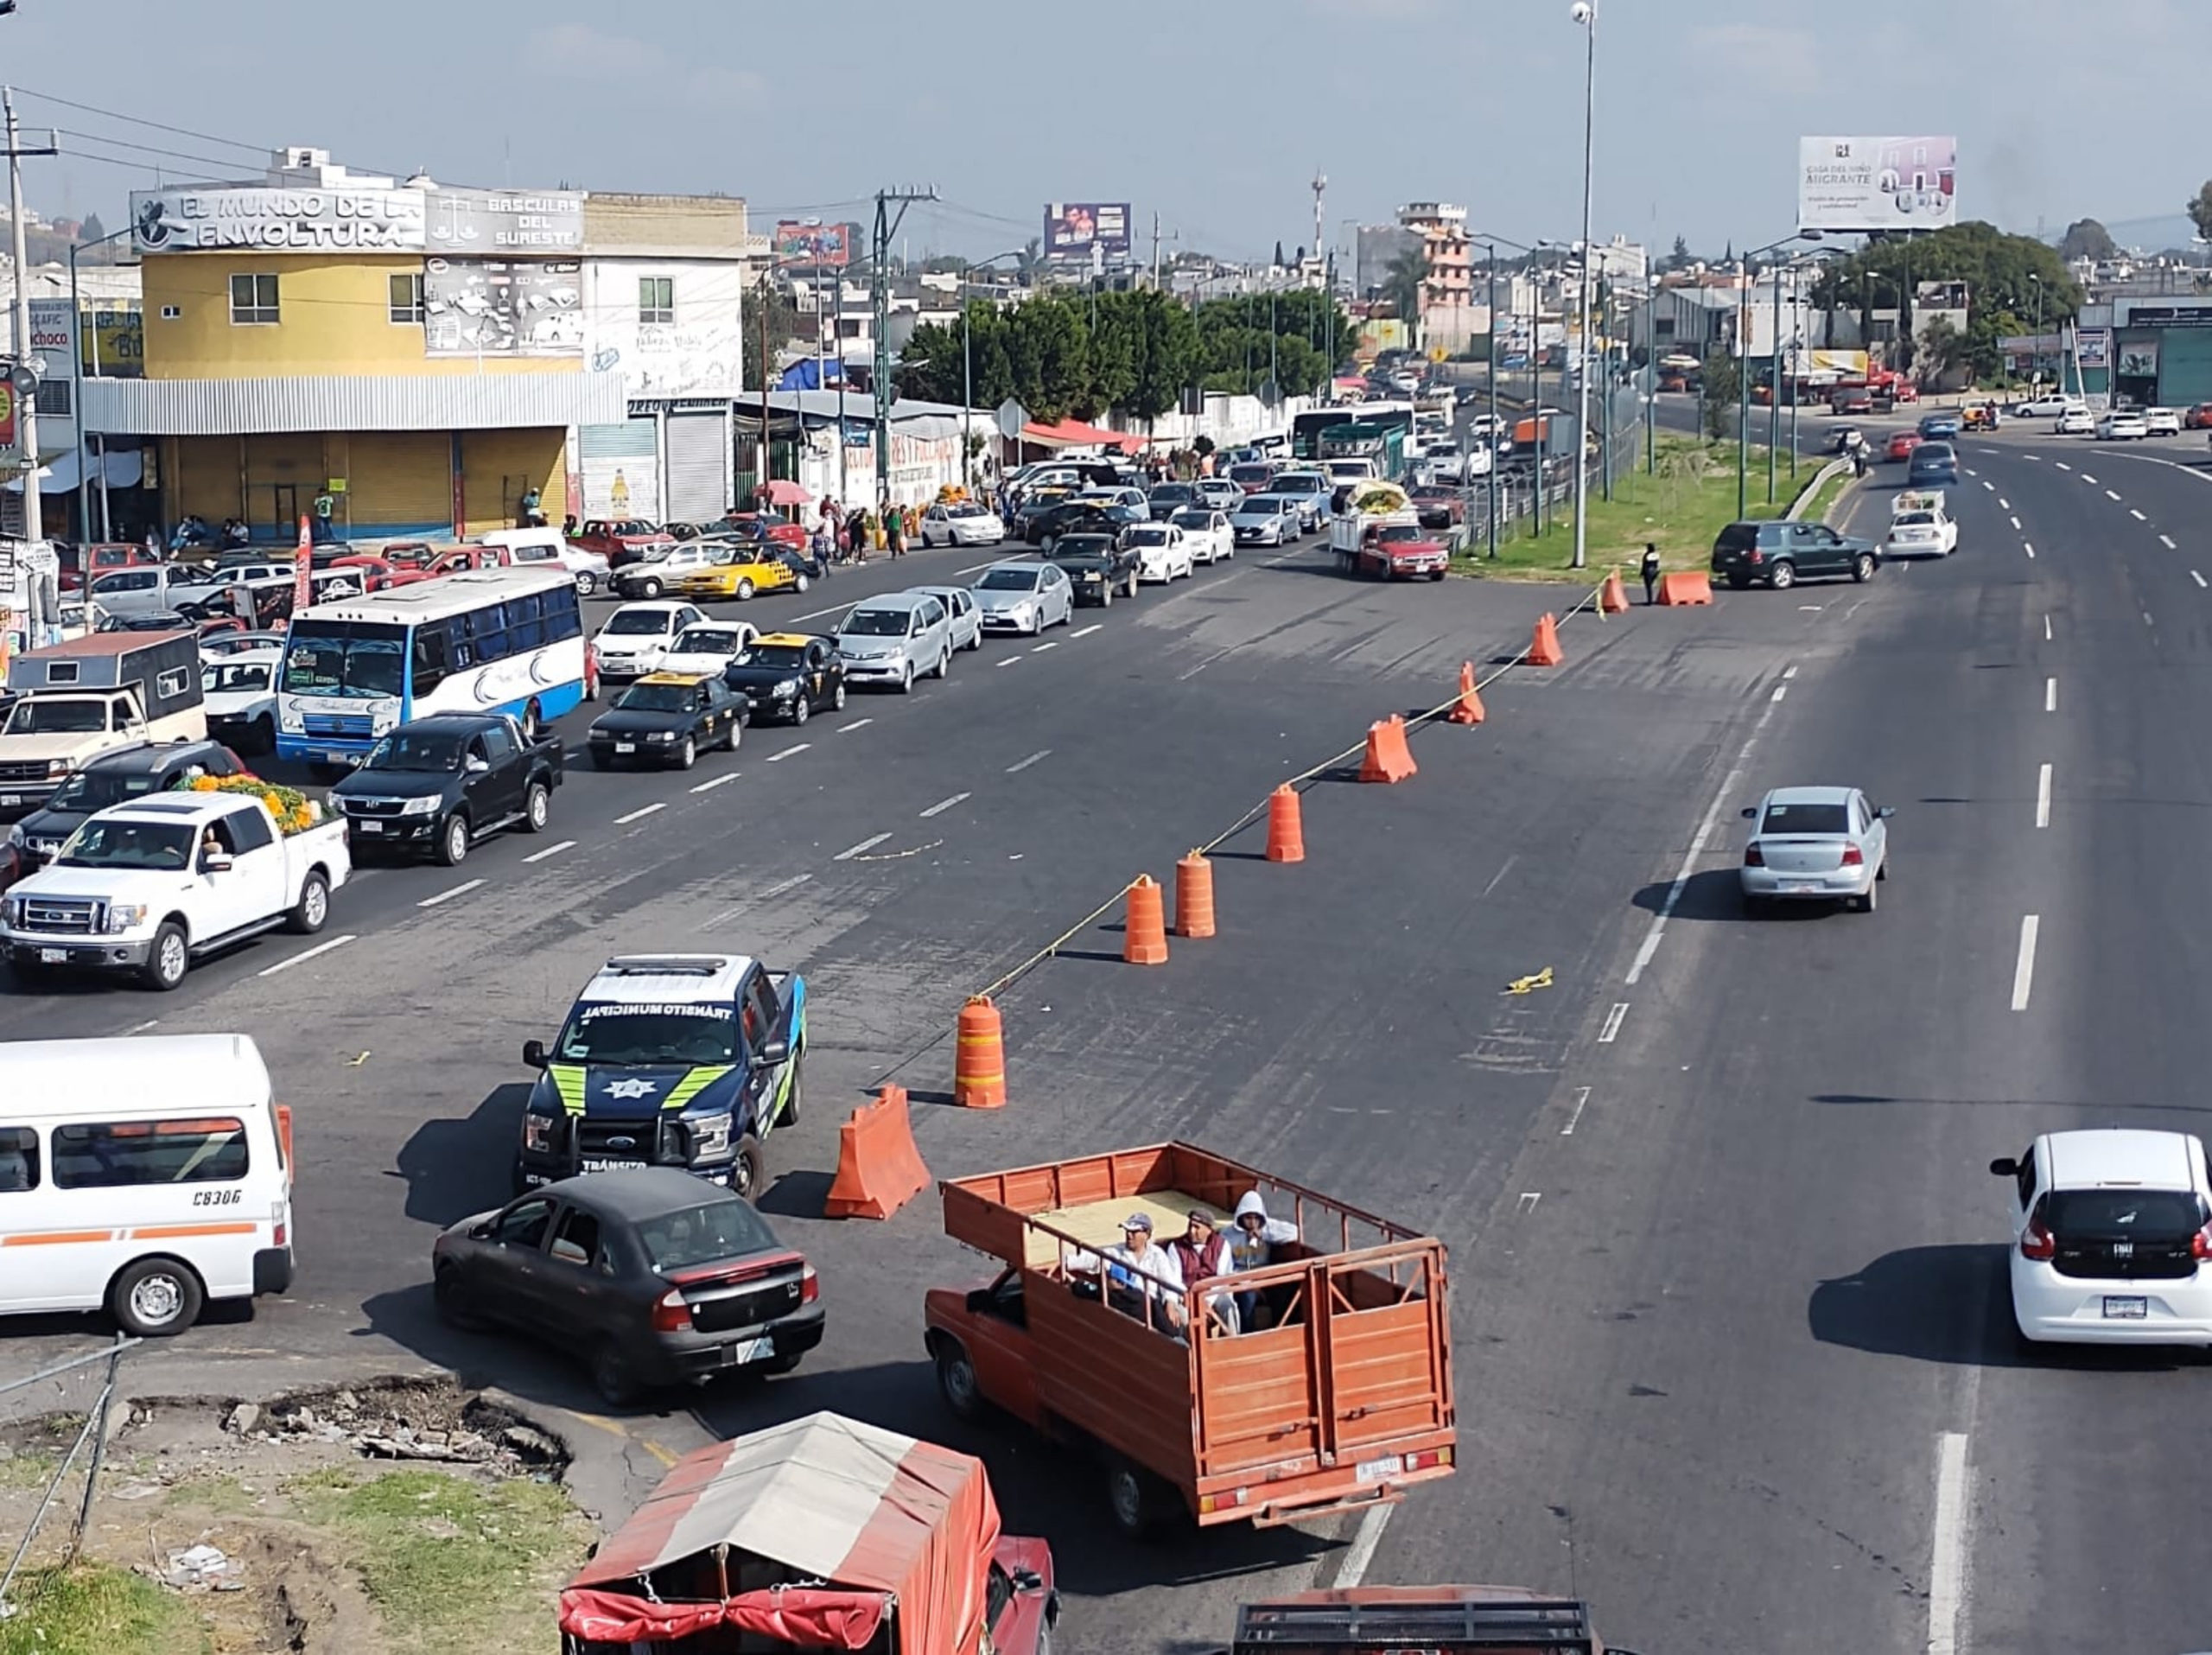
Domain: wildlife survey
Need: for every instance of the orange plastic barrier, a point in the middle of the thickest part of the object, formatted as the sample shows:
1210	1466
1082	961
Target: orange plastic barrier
1286	828
1468	709
1144	933
1194	896
1613	598
1543	649
979	1056
1694	588
1389	758
879	1168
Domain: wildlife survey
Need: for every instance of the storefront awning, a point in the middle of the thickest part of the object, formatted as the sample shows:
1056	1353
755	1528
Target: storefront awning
1074	434
125	467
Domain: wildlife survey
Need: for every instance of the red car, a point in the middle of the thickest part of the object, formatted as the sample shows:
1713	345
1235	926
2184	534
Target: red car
1901	445
403	570
2199	417
781	532
1439	507
102	557
621	541
1853	399
1398	551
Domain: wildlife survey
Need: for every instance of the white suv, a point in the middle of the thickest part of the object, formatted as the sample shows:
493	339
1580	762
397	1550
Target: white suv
2112	1233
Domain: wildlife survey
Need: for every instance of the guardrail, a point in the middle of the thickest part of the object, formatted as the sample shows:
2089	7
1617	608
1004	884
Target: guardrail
1835	468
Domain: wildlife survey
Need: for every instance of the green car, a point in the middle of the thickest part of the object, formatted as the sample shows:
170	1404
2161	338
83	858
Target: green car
1780	554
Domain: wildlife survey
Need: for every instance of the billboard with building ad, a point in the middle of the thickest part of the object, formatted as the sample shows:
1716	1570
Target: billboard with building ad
829	245
1857	185
498	307
1077	226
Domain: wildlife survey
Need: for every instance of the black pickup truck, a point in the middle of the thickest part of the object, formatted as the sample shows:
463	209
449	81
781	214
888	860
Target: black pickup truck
1098	565
443	782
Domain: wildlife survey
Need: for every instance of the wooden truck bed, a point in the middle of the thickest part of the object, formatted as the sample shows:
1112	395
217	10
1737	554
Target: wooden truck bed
1346	1402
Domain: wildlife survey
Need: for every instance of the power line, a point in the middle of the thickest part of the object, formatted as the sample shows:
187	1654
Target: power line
147	149
139	120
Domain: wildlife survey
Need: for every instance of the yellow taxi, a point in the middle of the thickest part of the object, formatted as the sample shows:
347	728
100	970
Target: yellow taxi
747	570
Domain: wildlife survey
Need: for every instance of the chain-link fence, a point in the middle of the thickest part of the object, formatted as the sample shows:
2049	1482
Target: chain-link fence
55	1426
1533	490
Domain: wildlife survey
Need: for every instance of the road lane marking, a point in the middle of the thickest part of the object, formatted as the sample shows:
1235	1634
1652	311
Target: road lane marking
1947	1570
1613	1029
1361	1552
2016	523
1985	483
2043	797
1038	756
2050	695
1039	649
858	723
2110	493
1088	630
944	804
2198	578
2003	505
461	889
974	568
1574	1119
1010	660
140	1028
2061	465
1789	671
2088	479
865	845
775	889
2028	547
2024	969
551	851
303	956
1780	691
2137	515
2167	541
641	812
1504	868
799	746
719	781
2146	618
2046	629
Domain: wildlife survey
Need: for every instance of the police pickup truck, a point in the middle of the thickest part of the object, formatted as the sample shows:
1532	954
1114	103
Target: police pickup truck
667	1060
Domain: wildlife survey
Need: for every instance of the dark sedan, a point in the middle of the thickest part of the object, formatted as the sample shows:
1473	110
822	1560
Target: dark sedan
788	675
1098	565
668	718
652	1277
1079	517
1439	507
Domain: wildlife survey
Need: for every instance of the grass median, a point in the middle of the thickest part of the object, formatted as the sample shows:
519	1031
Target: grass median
1679	508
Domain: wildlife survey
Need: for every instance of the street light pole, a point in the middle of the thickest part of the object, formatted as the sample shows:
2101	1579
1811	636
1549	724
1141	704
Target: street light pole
77	392
968	375
1490	432
1586	13
1774	385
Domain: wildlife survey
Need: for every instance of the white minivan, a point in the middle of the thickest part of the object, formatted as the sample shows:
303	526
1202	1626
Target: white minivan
144	1176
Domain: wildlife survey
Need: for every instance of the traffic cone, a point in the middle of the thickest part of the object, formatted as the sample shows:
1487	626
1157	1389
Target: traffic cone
1388	757
1468	709
1194	896
1144	931
1286	832
979	1056
1543	648
1613	600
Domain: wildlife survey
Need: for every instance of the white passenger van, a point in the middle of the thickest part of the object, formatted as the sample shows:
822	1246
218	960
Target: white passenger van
144	1176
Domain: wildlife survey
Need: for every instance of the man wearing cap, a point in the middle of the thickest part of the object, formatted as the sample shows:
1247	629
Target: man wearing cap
1140	1279
1201	1255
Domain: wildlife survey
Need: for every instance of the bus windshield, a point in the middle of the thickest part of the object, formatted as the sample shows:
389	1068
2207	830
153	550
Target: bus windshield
345	658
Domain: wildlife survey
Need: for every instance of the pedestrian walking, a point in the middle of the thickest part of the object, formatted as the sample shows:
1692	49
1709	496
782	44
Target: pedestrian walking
1650	573
894	531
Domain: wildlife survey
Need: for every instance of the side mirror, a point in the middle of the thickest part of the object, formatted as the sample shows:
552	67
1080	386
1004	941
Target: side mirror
533	1053
2005	1166
479	1233
1748	811
214	862
771	1052
1886	811
476	767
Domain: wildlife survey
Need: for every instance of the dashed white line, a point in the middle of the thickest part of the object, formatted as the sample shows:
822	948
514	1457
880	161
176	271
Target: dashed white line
2198	578
973	568
641	812
2137	515
461	889
1947	1568
1612	1028
1038	756
2024	970
864	846
1574	1119
775	889
2167	541
944	804
858	723
2110	493
2061	465
1039	649
2088	479
1780	691
304	956
2050	695
1789	671
1985	483
796	747
1010	660
2028	547
719	781
140	1028
2043	797
551	851
1971	472
2016	523
2003	505
1361	1552
817	614
1088	630
2046	629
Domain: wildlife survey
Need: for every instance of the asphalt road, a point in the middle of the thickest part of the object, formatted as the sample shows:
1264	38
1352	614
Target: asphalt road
1733	1356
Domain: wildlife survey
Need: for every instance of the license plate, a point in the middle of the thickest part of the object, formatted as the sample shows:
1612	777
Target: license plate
1801	884
611	1163
60	956
10	799
1374	1471
625	747
2126	1308
370	827
749	1350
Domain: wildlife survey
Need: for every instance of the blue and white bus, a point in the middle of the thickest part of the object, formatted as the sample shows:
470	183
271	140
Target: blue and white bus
483	640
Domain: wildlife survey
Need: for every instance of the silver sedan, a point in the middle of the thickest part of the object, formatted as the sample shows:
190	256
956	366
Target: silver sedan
1815	844
1024	596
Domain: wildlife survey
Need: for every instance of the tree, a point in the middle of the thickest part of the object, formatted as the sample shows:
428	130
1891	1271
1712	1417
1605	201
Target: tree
2000	272
1278	265
1679	259
1722	384
93	230
1404	279
1942	345
2086	238
2200	209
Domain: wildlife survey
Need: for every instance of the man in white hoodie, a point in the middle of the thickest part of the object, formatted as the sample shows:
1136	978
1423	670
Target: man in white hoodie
1252	1243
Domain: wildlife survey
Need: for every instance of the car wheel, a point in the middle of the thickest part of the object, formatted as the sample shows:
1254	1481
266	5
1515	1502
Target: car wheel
956	1381
799	709
798	583
1862	568
536	807
744	590
611	1378
795	1100
837	697
452	1302
602	760
1755	906
787	1362
745	1170
1107	602
1783	578
453	841
312	911
168	959
155	1298
265	735
736	734
649	588
688	754
1738	583
1132	589
1132	1495
943	664
1866	902
974	638
907	679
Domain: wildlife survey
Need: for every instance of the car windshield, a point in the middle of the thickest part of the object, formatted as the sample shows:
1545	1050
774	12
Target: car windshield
774	658
971	509
709	640
1168	493
604	1032
235	677
1191	520
1260	505
437	751
45	717
164	847
1083	545
1009	580
1833	820
1252	474
1399	533
636	623
655	698
1296	481
703	1235
1148	536
2124	1214
333	658
876	623
95	790
1912	520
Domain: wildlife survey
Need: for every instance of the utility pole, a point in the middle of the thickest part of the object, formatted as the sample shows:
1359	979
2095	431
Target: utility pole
886	225
1320	191
27	410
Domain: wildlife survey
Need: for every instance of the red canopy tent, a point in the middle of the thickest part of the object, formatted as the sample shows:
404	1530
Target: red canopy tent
1074	434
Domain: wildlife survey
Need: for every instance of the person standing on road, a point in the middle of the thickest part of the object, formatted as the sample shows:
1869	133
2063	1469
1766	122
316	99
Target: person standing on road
1650	572
894	529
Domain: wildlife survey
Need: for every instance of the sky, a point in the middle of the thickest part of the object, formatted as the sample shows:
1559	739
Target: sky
1214	114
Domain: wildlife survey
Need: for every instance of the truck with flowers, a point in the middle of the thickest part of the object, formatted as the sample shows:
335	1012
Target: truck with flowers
146	889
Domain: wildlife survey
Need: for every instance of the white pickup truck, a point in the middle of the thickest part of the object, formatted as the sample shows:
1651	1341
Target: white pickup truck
151	885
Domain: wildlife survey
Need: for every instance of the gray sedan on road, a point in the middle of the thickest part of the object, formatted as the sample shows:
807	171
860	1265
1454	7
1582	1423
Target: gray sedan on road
1024	596
1815	844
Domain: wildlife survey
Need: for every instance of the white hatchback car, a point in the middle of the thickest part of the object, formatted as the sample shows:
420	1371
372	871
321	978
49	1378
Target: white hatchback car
2076	420
1163	554
1206	532
1815	844
636	639
962	522
2162	421
2123	424
2112	1232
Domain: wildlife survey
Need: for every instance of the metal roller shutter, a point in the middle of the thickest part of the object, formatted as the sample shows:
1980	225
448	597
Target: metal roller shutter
621	467
698	467
401	484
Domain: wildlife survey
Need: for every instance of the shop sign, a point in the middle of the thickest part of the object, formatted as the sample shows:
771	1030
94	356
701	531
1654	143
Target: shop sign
277	221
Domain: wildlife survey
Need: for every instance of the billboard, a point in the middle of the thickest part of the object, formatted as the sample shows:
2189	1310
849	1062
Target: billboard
277	221
801	243
2093	348
1857	185
1077	226
492	222
496	307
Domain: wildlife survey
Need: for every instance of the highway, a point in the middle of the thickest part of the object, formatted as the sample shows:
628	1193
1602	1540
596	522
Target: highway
1733	1356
